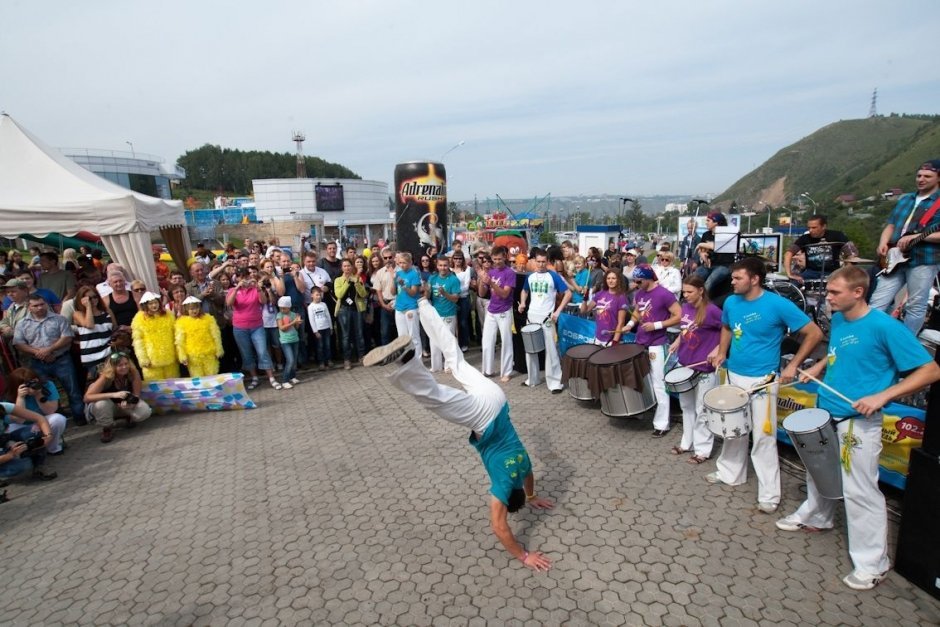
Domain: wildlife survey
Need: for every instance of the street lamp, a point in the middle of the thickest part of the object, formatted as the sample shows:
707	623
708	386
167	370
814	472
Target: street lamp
749	214
455	147
807	197
131	144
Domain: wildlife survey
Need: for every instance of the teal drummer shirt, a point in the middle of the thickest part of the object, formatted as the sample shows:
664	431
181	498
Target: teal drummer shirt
504	457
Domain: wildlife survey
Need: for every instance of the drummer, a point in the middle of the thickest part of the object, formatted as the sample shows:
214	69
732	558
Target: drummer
544	286
656	310
610	308
701	330
754	323
822	247
868	350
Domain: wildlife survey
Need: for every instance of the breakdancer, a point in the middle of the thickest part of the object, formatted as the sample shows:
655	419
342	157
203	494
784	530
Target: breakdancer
483	409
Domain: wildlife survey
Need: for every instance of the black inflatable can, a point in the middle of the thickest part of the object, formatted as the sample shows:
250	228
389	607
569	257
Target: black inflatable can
420	207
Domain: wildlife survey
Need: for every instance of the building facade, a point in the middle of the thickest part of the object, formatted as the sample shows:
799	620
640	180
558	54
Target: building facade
147	174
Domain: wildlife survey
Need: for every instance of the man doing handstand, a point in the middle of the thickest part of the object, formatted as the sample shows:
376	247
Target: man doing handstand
483	409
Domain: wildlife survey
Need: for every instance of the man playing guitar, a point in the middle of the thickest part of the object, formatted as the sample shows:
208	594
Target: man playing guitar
914	213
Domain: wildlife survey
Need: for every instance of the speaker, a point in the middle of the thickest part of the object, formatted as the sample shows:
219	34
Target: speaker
918	554
931	442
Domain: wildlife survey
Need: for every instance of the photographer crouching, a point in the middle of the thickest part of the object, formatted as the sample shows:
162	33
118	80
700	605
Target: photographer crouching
116	394
23	449
26	390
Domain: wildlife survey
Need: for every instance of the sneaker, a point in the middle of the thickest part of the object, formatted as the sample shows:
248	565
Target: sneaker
658	433
347	365
789	523
713	477
107	434
253	383
863	581
767	508
275	384
286	385
44	475
390	353
294	381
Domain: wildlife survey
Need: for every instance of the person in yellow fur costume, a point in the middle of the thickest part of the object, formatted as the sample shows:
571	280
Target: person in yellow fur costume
198	340
152	331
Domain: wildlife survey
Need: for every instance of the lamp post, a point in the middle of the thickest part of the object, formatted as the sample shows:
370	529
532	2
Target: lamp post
131	144
452	149
749	214
807	197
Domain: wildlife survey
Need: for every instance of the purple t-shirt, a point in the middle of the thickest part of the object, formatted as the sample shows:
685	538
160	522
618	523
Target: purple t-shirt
605	313
502	277
652	306
697	341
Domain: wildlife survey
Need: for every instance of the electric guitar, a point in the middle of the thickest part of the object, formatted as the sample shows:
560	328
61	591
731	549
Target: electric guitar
895	257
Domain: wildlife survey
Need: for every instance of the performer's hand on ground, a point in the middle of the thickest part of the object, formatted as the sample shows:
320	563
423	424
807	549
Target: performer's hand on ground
538	562
540	503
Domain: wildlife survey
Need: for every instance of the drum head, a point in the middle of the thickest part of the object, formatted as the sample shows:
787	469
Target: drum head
930	335
582	351
790	292
726	398
806	420
616	354
679	374
532	328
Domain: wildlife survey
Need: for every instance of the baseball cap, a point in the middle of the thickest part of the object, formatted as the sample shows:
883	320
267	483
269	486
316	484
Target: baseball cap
14	283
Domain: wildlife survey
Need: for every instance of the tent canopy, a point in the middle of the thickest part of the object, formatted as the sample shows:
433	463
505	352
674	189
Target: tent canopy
42	192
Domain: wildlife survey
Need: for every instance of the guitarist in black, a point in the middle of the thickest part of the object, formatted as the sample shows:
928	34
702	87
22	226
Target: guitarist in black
914	215
822	247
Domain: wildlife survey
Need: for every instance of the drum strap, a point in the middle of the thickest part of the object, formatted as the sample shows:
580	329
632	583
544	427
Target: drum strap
845	456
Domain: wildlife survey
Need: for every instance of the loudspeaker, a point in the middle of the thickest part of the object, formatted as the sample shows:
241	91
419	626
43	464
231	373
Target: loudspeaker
918	554
931	442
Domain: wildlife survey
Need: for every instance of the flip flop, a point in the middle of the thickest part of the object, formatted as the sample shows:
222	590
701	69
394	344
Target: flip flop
697	459
678	451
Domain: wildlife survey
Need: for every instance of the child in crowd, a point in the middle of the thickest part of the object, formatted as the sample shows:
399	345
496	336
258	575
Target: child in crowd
198	340
288	323
322	326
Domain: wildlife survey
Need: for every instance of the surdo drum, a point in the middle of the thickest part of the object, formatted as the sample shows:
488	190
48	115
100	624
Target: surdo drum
620	376
728	411
533	339
816	441
574	367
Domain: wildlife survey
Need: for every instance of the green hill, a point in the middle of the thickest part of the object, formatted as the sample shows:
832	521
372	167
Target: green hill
860	157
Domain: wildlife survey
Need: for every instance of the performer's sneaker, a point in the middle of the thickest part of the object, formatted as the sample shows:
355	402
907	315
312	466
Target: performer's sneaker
863	581
713	478
789	523
390	353
767	508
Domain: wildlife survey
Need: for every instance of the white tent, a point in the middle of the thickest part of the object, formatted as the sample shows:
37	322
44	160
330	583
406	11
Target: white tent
43	191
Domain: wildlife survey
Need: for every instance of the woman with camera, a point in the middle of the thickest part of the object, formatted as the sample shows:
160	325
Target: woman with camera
116	394
26	391
23	449
246	301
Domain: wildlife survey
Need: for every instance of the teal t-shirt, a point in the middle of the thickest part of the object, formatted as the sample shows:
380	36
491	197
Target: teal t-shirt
757	329
866	356
505	459
403	300
451	284
52	394
287	337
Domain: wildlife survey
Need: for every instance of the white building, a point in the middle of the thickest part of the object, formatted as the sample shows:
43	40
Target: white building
147	174
359	208
678	207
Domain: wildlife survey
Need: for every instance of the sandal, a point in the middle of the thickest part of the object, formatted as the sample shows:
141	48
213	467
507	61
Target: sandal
275	384
253	383
679	451
697	459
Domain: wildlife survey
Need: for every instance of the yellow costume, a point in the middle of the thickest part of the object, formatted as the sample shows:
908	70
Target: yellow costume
199	344
154	345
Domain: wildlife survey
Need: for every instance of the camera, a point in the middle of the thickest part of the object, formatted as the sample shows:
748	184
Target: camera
132	399
34	384
266	283
34	443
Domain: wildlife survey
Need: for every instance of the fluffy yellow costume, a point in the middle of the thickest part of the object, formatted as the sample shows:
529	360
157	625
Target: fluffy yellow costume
154	345
199	344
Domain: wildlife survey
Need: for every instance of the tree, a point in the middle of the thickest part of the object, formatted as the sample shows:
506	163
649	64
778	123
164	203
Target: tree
636	216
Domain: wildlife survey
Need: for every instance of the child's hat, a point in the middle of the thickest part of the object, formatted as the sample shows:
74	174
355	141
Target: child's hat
284	301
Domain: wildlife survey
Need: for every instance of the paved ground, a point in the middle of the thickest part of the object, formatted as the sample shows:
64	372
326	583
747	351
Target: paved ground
341	502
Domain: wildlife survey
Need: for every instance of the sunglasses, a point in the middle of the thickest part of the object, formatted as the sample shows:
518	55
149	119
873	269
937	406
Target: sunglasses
140	290
118	356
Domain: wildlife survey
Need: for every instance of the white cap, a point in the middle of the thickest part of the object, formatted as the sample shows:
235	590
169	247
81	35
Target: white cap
284	301
148	296
633	251
192	300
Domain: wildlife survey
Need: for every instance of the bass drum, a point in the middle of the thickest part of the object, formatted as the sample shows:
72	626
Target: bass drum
789	291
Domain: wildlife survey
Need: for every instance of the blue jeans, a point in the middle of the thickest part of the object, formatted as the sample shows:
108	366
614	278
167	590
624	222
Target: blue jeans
388	331
290	350
24	462
463	322
324	346
253	347
62	370
350	328
918	279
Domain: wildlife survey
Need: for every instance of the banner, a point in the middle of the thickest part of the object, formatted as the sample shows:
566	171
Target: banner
574	330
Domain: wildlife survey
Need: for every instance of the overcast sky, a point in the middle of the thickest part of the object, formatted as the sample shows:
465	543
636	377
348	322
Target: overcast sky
569	97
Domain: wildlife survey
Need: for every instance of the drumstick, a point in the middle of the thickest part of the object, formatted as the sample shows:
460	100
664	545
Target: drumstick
828	387
698	363
766	385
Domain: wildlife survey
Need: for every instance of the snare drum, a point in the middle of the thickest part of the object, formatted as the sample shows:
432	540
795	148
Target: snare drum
728	411
533	339
681	379
930	339
620	376
816	440
574	366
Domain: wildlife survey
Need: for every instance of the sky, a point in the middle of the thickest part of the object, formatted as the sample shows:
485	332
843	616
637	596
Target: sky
567	98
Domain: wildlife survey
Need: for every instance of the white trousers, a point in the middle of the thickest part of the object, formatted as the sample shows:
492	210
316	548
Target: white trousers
696	436
437	355
657	373
865	511
476	406
406	323
552	360
501	322
732	463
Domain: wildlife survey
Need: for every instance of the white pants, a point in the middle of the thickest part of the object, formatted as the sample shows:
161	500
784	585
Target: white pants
657	373
474	408
732	463
552	360
501	322
406	322
56	427
865	511
437	355
696	436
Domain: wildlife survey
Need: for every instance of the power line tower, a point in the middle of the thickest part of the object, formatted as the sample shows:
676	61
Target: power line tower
873	111
301	162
